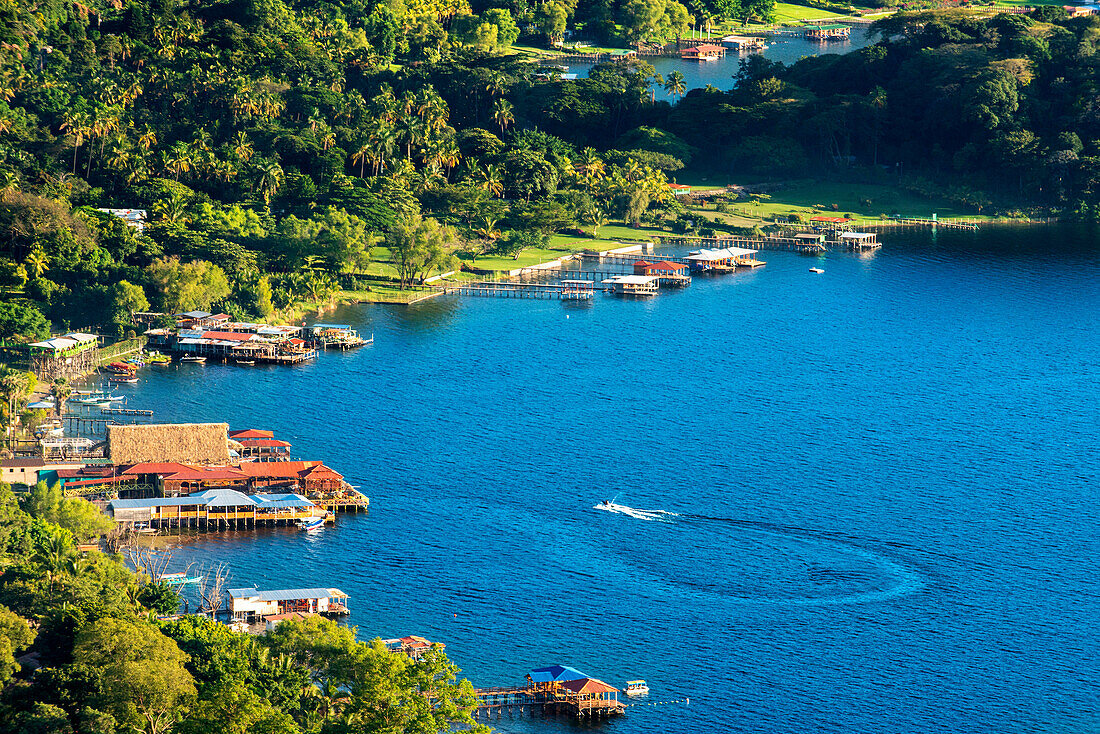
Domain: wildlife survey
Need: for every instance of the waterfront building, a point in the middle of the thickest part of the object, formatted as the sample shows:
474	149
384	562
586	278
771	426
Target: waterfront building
633	285
722	260
833	32
667	273
215	508
250	604
703	52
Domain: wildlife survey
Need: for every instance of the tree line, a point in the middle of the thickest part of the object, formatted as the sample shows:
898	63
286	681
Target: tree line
88	646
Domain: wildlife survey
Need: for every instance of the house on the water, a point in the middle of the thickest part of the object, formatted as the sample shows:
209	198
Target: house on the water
724	259
703	52
216	508
250	604
633	285
833	32
668	273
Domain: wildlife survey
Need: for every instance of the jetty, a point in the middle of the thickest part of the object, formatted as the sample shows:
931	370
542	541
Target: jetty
556	690
566	290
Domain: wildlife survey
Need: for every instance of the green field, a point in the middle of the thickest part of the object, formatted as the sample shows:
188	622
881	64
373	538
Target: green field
844	199
790	13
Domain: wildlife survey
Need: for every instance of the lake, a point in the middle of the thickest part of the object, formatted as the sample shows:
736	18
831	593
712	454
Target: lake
860	501
787	49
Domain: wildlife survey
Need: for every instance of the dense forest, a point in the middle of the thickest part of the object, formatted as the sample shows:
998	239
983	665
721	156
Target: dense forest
279	145
82	651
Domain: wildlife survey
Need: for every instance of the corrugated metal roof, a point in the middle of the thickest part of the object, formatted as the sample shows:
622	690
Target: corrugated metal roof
155	502
280	594
291	594
225	498
556	673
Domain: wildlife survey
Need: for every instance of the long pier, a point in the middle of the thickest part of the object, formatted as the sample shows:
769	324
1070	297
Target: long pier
514	289
520	701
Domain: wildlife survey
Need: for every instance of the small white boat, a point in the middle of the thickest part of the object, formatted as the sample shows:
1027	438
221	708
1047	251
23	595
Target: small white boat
636	688
178	579
193	360
816	270
315	523
246	361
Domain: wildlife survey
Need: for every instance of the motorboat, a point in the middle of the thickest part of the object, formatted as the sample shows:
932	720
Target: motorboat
315	523
178	579
636	688
816	270
121	380
246	361
193	360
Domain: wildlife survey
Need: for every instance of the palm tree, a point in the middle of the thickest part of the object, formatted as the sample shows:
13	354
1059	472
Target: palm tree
172	209
242	147
490	179
61	392
180	159
675	85
360	156
38	262
269	180
503	114
80	125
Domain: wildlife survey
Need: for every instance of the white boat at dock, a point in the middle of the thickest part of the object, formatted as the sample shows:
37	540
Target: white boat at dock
193	360
315	523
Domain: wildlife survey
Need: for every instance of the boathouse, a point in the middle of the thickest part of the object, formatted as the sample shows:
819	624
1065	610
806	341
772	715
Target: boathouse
704	52
859	240
551	676
633	285
217	508
743	43
251	604
668	273
834	32
722	260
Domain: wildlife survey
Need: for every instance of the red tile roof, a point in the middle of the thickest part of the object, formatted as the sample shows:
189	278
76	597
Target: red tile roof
588	685
838	220
261	441
227	336
151	468
250	433
212	474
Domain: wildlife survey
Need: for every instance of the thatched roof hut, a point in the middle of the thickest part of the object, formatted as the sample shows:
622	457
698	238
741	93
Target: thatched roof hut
186	443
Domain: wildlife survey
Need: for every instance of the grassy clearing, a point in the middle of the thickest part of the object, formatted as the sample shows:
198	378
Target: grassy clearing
790	13
818	198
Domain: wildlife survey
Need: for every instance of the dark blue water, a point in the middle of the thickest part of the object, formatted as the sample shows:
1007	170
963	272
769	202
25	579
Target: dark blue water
720	73
883	480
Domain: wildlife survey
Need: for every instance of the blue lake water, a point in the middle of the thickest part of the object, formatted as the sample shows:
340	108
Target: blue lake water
720	73
861	501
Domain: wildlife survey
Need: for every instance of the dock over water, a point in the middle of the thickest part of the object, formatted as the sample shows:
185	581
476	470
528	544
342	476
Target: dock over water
556	690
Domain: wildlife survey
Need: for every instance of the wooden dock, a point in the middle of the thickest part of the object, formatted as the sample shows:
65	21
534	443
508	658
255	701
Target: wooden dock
787	244
518	289
529	701
126	411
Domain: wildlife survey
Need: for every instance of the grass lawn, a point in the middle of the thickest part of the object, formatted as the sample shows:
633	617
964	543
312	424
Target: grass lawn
789	12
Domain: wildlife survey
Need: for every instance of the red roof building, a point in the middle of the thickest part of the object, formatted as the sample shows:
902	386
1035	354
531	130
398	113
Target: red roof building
228	336
664	267
831	220
250	433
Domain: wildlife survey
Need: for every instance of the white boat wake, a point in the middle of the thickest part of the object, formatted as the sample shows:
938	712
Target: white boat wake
652	515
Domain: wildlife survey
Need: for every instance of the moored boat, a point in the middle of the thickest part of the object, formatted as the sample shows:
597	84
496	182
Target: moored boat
636	688
315	523
193	360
